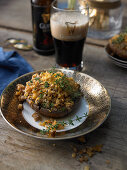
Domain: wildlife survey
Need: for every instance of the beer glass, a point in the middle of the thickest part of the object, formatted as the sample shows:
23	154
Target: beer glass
69	25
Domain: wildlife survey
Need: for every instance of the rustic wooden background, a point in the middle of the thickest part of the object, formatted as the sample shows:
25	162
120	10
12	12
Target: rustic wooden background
21	152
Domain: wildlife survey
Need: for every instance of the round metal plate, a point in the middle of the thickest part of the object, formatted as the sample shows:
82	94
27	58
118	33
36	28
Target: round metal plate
94	93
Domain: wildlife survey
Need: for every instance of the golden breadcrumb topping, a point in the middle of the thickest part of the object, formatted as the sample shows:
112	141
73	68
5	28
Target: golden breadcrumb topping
52	90
52	125
120	40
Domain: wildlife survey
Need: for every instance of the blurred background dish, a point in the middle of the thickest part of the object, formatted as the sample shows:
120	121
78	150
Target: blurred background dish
105	18
114	58
116	49
118	45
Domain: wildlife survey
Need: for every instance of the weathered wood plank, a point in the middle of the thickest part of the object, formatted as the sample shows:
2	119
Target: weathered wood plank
17	15
21	152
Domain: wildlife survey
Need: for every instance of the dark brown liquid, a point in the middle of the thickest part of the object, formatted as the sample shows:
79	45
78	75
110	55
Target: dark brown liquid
42	39
69	53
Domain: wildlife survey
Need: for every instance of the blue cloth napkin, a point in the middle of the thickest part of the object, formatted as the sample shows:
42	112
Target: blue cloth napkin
12	65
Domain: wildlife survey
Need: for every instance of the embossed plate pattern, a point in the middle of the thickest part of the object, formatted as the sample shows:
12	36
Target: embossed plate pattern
94	92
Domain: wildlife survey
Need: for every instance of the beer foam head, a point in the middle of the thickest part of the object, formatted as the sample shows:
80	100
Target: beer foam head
69	26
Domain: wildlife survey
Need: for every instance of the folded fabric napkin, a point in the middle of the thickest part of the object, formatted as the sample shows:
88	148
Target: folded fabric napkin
12	65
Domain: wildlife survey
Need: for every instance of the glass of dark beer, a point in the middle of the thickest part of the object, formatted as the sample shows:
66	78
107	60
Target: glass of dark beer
69	25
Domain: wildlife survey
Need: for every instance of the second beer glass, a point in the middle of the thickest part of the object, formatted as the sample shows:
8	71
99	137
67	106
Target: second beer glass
69	25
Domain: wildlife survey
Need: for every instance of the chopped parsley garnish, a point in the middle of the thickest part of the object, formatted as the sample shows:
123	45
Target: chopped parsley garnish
63	109
46	84
37	78
78	118
53	70
64	83
44	131
57	75
120	38
76	95
51	105
70	122
63	123
41	95
44	105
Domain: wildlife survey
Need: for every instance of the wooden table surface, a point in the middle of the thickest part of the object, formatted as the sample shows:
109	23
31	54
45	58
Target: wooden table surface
22	152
